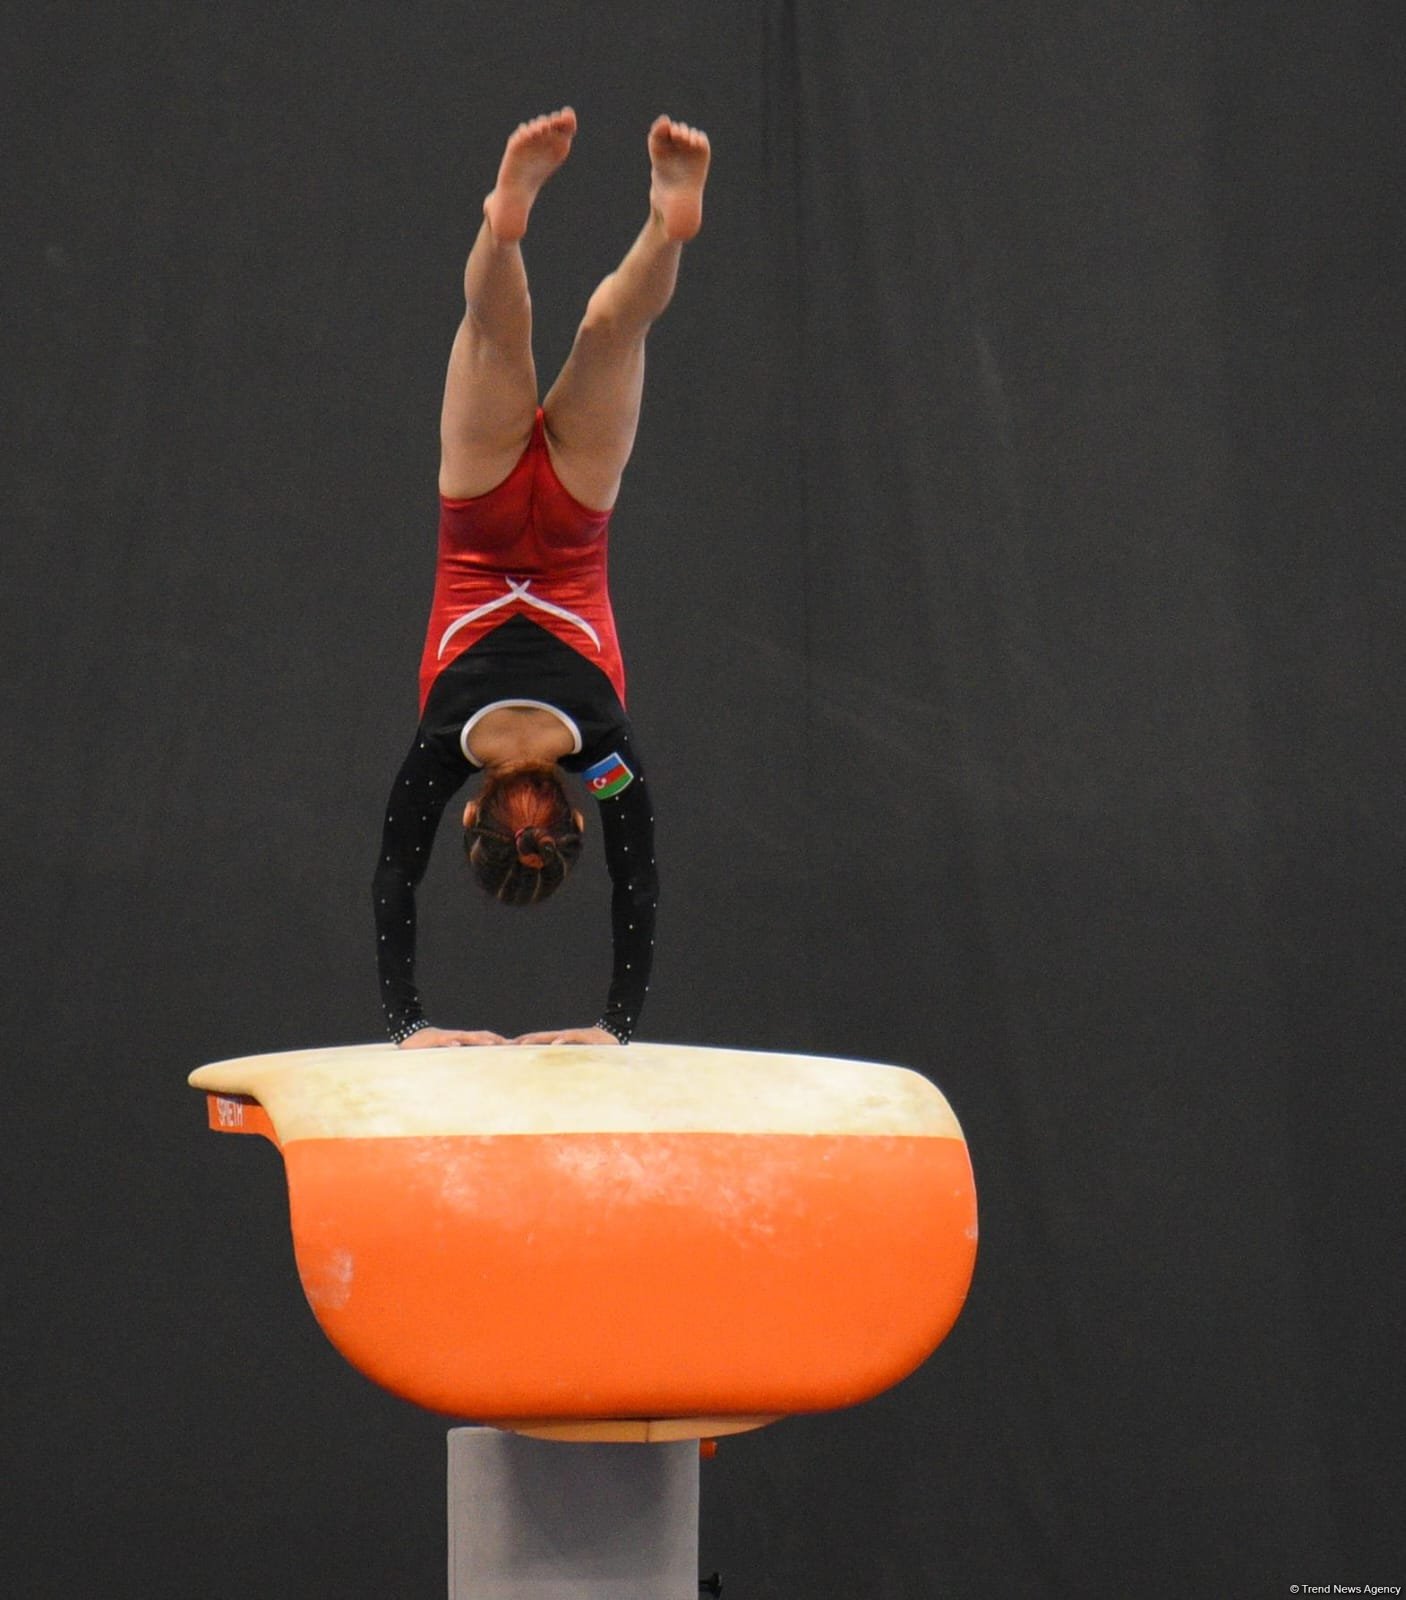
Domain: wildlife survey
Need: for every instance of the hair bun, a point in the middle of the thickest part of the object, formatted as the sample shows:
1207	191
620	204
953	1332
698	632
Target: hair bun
532	847
524	838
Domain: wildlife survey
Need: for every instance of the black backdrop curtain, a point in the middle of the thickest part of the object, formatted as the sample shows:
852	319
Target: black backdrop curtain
1010	580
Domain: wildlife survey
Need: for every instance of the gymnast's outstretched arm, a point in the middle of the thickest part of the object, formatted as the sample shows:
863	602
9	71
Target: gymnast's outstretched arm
627	830
423	787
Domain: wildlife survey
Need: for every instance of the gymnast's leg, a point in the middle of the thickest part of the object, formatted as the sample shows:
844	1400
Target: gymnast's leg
490	392
592	410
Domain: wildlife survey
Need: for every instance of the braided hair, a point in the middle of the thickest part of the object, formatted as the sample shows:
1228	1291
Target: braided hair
523	836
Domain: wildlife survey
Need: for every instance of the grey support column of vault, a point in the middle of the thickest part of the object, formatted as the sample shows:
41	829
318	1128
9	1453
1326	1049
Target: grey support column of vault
531	1519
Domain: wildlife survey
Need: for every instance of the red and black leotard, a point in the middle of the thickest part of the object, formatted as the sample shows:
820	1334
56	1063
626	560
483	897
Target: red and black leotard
527	548
521	616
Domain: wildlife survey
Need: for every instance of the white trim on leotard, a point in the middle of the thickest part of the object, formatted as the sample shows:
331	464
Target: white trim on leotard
500	705
517	590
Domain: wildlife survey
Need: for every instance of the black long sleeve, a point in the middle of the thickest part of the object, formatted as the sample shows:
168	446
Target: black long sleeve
627	829
423	787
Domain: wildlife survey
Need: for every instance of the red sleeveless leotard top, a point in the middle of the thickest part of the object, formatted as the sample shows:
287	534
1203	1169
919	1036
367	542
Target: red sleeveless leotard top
526	548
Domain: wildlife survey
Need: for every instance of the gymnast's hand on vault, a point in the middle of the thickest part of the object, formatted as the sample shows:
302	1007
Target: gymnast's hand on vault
568	1036
432	1038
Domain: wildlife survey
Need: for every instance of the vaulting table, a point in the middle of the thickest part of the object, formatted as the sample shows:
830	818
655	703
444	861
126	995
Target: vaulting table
653	1244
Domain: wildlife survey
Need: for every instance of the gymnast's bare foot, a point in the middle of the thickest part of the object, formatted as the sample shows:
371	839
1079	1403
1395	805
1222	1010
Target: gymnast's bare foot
534	152
678	158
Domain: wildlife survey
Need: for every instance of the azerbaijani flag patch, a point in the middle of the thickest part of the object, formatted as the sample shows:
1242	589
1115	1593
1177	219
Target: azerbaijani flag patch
608	777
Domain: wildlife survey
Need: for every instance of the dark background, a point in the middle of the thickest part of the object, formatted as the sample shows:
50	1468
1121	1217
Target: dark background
1010	574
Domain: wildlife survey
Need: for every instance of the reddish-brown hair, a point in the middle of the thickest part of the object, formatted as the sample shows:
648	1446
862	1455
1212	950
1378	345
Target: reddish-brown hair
524	836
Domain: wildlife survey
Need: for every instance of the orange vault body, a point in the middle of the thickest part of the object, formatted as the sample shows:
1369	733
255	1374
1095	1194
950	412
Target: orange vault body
652	1242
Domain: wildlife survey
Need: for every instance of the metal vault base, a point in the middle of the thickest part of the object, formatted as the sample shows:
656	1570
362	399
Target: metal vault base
532	1519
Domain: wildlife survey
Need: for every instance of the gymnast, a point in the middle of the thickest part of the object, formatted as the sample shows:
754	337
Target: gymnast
521	675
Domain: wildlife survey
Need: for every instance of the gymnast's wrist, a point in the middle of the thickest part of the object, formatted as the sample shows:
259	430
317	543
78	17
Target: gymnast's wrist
402	1033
